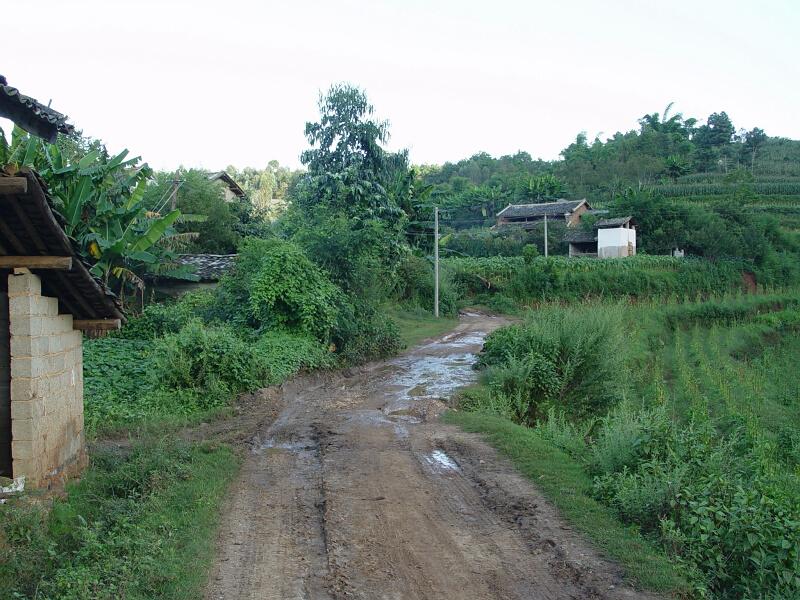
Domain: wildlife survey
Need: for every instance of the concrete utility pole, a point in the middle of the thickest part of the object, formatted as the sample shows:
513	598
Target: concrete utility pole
545	236
173	201
436	262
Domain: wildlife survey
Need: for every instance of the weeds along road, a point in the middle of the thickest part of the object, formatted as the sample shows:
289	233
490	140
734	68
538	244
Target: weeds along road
355	490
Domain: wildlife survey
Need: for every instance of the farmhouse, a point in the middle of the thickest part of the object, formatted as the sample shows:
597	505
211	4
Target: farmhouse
230	188
609	238
528	215
47	297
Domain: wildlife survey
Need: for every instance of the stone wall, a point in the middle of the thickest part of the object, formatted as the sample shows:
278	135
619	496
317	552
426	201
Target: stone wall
46	385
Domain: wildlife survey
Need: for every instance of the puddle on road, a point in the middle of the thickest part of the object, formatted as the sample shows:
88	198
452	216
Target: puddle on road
435	372
439	460
290	446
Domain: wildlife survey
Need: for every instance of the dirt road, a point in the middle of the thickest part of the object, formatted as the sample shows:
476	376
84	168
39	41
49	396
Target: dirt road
356	491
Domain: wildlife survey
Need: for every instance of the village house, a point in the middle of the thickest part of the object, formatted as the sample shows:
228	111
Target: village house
529	215
608	238
47	299
230	188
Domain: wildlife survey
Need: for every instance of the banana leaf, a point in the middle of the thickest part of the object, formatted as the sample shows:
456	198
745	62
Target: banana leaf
155	231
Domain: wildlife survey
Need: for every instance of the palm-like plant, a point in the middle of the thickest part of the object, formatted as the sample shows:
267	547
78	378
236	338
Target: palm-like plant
100	198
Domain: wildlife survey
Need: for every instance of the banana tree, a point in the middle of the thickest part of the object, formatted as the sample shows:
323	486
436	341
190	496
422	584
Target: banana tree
101	200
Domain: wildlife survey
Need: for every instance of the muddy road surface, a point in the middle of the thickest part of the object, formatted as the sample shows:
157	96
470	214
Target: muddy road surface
356	490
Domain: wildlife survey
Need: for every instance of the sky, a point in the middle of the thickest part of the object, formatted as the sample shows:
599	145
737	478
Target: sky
210	84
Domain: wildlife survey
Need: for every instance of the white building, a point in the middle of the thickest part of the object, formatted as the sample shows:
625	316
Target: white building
610	238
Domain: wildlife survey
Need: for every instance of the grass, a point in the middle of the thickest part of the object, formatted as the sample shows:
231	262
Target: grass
569	488
417	325
138	525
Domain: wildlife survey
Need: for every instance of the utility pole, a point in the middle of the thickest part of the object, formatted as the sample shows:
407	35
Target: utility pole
545	236
436	261
173	201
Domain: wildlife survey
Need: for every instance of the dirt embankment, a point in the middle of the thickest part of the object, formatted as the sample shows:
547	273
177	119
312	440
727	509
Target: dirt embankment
355	491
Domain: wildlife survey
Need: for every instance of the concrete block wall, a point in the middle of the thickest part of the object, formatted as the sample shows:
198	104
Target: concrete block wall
46	385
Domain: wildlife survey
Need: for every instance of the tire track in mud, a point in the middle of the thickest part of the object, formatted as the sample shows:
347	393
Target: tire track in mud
356	491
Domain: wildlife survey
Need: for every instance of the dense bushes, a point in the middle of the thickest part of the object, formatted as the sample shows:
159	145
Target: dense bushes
573	361
276	314
289	292
206	363
706	496
701	453
362	333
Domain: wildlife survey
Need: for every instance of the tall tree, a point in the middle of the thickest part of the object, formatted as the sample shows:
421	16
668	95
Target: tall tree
342	208
752	141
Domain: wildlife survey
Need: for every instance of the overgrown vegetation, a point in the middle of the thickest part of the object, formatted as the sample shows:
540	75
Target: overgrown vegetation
685	416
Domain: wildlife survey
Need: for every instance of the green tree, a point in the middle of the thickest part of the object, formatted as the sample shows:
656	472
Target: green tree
753	140
347	187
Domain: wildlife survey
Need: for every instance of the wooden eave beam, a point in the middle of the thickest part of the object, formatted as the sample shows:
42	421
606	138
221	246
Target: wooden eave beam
61	263
13	185
96	324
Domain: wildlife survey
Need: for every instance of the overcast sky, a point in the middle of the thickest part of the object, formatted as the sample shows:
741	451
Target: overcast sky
209	84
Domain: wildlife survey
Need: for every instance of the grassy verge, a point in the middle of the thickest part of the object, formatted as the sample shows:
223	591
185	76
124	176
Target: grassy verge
417	325
138	525
568	486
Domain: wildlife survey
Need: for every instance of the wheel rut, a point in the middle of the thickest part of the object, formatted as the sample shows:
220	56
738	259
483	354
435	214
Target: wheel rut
357	491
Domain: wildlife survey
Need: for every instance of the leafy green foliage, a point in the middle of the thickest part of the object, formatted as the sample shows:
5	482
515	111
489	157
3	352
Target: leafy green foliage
363	333
101	200
209	363
117	375
289	291
280	355
415	286
346	210
158	319
215	232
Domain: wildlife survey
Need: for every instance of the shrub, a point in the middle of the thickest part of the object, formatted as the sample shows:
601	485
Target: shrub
288	291
158	319
706	496
281	355
212	363
570	360
529	252
415	286
362	333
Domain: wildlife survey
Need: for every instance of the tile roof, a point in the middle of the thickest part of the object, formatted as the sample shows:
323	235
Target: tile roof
31	115
615	222
580	236
208	267
551	209
30	227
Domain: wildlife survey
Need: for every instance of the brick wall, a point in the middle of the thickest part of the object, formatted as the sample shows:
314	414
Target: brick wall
46	385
